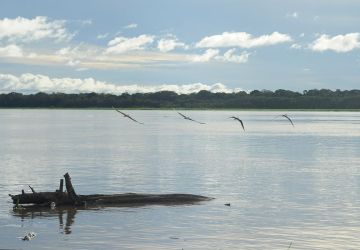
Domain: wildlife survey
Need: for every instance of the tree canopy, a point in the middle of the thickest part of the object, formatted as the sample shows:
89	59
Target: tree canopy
256	99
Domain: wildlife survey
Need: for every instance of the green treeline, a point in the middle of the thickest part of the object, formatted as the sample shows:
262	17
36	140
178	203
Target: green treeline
264	99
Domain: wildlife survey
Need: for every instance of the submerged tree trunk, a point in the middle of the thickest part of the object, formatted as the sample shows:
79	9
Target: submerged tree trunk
127	199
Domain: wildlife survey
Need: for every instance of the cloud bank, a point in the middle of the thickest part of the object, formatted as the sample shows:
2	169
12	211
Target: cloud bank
31	83
19	39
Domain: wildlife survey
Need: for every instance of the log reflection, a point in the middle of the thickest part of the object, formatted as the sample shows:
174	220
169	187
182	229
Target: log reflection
67	213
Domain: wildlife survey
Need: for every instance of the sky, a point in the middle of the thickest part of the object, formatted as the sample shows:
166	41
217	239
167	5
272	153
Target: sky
111	46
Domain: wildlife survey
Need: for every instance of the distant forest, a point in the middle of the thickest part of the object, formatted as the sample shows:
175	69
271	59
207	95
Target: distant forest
257	99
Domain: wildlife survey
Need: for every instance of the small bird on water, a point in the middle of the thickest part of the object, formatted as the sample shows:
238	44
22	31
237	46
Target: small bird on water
29	236
190	119
237	119
127	116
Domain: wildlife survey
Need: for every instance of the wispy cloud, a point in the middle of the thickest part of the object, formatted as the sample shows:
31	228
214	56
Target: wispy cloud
102	36
25	30
86	22
31	83
294	15
124	44
84	56
339	43
131	26
296	46
242	40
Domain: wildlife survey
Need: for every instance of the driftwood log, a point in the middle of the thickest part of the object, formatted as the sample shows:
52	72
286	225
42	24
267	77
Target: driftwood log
69	197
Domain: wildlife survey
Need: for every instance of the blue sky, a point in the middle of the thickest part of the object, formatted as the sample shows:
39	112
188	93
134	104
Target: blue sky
184	46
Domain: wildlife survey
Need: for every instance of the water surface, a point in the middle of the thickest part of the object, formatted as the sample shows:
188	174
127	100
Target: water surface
285	184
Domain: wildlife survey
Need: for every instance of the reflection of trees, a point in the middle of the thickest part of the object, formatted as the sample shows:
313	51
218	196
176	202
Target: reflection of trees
36	212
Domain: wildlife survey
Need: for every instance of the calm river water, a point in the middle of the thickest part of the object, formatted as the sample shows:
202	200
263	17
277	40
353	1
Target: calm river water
286	185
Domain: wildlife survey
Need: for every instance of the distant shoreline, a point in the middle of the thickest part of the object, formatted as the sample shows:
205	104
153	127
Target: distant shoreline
317	100
190	109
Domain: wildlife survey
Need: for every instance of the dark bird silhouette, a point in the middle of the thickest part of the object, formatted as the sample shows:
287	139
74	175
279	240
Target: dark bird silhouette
237	119
188	118
127	116
287	117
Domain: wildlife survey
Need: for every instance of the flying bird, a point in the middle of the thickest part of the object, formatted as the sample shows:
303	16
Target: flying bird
237	119
188	118
287	117
127	116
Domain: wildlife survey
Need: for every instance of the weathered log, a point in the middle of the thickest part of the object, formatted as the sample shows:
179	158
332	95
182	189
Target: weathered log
141	199
70	189
71	198
42	198
32	189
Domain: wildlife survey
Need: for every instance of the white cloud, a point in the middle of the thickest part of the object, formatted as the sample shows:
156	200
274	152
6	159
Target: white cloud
131	26
169	44
242	40
25	30
124	44
194	88
73	56
339	43
230	56
11	51
214	55
79	51
207	56
30	83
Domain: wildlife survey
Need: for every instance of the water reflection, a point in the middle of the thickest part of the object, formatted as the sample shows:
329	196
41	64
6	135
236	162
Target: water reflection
42	212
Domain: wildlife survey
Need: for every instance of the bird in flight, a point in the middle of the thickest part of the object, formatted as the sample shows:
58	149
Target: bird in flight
188	118
127	116
237	119
287	117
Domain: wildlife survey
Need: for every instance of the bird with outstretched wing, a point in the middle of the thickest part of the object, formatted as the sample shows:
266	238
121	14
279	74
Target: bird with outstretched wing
237	119
190	119
288	118
127	116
